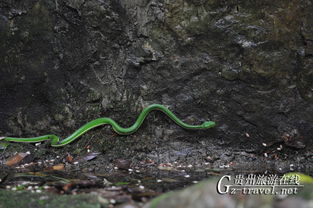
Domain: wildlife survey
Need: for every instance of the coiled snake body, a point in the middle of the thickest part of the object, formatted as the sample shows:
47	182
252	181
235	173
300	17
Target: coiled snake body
55	140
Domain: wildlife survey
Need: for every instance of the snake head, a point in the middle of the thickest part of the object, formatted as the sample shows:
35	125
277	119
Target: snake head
2	138
208	124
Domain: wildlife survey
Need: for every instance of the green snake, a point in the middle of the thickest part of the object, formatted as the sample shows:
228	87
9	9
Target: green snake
55	140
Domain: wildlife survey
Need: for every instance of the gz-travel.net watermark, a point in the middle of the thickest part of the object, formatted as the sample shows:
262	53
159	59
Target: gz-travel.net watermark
253	184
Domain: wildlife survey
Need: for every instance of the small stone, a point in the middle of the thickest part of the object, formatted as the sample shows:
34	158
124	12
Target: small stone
291	167
122	164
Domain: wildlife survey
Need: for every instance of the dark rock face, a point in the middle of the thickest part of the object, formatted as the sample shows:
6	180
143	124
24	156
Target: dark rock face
245	64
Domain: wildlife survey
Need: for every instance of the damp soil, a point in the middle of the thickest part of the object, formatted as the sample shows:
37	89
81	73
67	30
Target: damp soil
48	172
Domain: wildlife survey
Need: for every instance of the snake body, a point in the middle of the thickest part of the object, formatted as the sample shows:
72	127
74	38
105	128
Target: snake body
55	140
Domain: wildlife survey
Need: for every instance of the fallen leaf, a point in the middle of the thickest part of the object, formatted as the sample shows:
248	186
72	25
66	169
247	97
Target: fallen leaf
67	187
55	167
122	164
89	156
58	167
16	159
69	158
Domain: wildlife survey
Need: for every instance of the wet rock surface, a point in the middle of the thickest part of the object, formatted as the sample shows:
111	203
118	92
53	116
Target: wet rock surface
245	64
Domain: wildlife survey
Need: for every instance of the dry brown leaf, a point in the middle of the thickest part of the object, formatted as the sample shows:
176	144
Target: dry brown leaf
58	167
67	187
16	159
69	158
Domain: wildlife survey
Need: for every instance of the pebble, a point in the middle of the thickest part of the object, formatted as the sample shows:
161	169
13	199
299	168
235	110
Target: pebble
123	164
291	167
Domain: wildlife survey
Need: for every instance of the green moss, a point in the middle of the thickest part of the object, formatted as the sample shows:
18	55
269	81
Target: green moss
47	200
